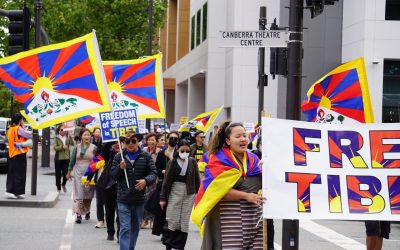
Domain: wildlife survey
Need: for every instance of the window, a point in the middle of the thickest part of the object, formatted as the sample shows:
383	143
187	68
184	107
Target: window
391	91
198	28
392	10
192	41
204	30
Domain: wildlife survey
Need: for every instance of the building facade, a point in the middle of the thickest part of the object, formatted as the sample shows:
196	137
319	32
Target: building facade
199	75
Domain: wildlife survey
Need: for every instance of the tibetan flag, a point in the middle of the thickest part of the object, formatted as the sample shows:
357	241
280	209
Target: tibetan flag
136	84
341	96
86	119
97	163
220	175
201	122
59	82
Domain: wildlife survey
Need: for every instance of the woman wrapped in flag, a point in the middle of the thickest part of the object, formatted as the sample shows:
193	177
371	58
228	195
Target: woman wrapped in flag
81	157
228	207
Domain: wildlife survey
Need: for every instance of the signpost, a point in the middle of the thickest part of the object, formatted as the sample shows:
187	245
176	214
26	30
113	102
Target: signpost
253	39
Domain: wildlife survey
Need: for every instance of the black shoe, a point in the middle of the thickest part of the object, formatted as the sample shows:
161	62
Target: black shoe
78	219
110	237
87	216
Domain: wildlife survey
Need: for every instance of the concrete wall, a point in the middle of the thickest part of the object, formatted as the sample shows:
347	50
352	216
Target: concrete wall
367	34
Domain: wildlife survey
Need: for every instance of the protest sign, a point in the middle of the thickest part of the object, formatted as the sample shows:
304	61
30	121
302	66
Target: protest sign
121	120
324	171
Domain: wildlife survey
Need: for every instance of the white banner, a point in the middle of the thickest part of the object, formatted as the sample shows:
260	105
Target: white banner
325	171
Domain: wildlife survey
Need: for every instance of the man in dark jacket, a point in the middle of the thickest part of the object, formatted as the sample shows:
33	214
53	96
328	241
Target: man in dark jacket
140	172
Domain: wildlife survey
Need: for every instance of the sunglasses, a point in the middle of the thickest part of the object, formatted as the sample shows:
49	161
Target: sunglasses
173	138
128	141
184	151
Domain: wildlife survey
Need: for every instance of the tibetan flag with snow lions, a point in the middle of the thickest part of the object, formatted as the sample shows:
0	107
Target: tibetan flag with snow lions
59	82
341	96
136	84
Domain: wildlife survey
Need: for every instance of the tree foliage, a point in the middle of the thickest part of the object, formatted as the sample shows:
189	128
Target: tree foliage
121	25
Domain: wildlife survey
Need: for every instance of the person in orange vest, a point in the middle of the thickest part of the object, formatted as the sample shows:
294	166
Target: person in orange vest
18	147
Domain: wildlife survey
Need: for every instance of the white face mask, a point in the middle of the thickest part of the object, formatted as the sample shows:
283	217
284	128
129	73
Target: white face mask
184	155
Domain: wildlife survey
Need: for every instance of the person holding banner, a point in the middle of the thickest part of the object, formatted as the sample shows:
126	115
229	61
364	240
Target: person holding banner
16	176
137	167
228	197
81	156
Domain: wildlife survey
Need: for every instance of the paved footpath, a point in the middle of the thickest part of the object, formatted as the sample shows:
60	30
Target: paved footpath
52	228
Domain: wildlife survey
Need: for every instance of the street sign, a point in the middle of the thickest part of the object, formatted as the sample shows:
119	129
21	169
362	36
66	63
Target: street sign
253	39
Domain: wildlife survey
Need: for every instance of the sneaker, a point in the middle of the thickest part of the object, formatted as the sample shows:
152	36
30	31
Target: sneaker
110	237
87	216
21	196
64	189
10	195
100	224
78	219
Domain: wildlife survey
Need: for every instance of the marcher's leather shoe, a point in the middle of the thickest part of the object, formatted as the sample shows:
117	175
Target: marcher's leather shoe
110	237
78	219
87	216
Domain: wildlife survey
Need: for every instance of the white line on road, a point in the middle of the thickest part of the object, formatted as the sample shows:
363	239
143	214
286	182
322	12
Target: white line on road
68	230
330	235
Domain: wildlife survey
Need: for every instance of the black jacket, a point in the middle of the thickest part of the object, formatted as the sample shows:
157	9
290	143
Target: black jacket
143	168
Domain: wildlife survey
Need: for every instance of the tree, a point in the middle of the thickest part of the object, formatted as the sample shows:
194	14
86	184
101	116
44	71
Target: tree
121	25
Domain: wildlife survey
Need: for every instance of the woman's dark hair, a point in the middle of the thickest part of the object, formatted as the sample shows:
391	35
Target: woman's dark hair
94	130
183	142
58	129
16	118
151	135
172	132
83	131
224	131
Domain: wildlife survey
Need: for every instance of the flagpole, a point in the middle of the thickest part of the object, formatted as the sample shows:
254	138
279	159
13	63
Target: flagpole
38	7
122	155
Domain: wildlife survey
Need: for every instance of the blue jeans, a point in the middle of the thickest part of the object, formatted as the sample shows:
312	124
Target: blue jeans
130	217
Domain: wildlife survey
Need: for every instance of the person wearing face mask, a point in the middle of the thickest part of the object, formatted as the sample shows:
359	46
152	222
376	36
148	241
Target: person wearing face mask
181	182
228	206
163	157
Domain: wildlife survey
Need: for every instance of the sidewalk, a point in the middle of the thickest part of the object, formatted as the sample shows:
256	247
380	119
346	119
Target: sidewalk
46	193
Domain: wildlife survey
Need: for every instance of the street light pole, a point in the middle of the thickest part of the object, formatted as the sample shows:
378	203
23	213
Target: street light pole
38	8
262	78
290	231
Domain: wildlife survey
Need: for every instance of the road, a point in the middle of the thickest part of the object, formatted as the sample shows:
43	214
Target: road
54	228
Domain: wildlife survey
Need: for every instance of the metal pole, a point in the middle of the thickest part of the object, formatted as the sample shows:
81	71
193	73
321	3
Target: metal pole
46	131
290	232
261	59
150	44
38	7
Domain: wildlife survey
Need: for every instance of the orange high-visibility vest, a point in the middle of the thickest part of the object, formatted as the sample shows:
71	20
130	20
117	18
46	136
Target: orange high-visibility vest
12	139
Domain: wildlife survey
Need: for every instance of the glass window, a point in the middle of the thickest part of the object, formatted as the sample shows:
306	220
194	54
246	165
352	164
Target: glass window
198	28
391	91
392	10
204	30
192	33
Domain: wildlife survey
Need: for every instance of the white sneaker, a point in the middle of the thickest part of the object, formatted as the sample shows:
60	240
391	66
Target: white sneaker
10	195
21	196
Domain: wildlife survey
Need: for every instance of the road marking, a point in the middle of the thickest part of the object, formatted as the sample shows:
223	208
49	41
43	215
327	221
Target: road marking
330	235
66	240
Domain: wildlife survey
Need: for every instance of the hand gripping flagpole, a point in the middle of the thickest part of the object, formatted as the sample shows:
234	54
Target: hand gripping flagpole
122	156
100	65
